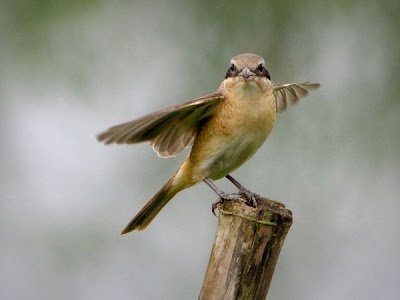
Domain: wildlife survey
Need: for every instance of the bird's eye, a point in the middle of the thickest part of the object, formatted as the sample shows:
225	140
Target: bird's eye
231	71
260	68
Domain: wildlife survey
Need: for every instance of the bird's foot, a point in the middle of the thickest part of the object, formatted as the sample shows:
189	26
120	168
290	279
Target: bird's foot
227	197
249	196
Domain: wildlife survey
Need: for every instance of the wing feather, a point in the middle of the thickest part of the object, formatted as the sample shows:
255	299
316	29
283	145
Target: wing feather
169	131
290	93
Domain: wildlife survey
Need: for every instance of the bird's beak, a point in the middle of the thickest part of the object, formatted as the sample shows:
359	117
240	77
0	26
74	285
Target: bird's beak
246	73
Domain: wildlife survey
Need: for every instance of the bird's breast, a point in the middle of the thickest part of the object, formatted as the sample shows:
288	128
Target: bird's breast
239	126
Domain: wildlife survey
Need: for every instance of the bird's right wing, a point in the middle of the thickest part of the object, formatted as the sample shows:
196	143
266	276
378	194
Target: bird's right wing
290	93
169	130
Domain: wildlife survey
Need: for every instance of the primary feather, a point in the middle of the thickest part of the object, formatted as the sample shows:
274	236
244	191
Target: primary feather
290	93
169	131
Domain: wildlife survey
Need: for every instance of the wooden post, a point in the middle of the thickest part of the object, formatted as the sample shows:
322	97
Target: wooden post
246	249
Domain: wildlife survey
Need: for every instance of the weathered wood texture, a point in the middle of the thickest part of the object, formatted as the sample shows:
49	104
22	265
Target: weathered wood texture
246	249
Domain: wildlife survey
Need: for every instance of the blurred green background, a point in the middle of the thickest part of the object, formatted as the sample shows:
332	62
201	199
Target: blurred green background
70	69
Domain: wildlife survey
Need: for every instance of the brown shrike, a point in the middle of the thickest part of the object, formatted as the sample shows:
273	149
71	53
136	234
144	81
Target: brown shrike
224	129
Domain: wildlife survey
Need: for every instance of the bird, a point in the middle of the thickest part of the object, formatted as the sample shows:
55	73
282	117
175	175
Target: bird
223	129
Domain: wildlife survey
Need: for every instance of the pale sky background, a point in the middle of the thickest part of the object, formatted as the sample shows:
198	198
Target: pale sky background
70	70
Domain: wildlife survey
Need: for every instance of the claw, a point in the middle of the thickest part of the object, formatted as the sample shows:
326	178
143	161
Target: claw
250	196
215	205
226	197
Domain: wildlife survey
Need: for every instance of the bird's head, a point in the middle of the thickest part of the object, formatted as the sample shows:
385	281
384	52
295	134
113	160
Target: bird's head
247	66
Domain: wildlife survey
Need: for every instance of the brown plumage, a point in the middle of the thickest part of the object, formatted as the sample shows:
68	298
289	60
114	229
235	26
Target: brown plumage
224	128
169	130
290	93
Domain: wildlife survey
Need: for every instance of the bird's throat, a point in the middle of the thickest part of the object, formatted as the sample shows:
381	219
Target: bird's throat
248	88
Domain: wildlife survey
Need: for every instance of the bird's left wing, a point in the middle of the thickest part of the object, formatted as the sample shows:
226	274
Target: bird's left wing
290	93
169	130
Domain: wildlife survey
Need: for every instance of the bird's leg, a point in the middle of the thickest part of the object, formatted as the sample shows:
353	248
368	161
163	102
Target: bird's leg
249	195
222	195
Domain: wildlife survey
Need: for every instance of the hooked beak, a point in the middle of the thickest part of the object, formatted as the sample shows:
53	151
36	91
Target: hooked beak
246	73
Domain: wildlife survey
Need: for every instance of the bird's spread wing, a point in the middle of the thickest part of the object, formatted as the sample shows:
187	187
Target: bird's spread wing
169	130
290	93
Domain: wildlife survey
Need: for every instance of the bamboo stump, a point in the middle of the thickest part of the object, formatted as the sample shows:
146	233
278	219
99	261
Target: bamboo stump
246	249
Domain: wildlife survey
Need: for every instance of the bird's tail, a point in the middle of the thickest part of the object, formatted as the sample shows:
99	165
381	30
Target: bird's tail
152	208
144	217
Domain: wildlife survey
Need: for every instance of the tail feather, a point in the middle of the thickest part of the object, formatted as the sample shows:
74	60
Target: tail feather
152	207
